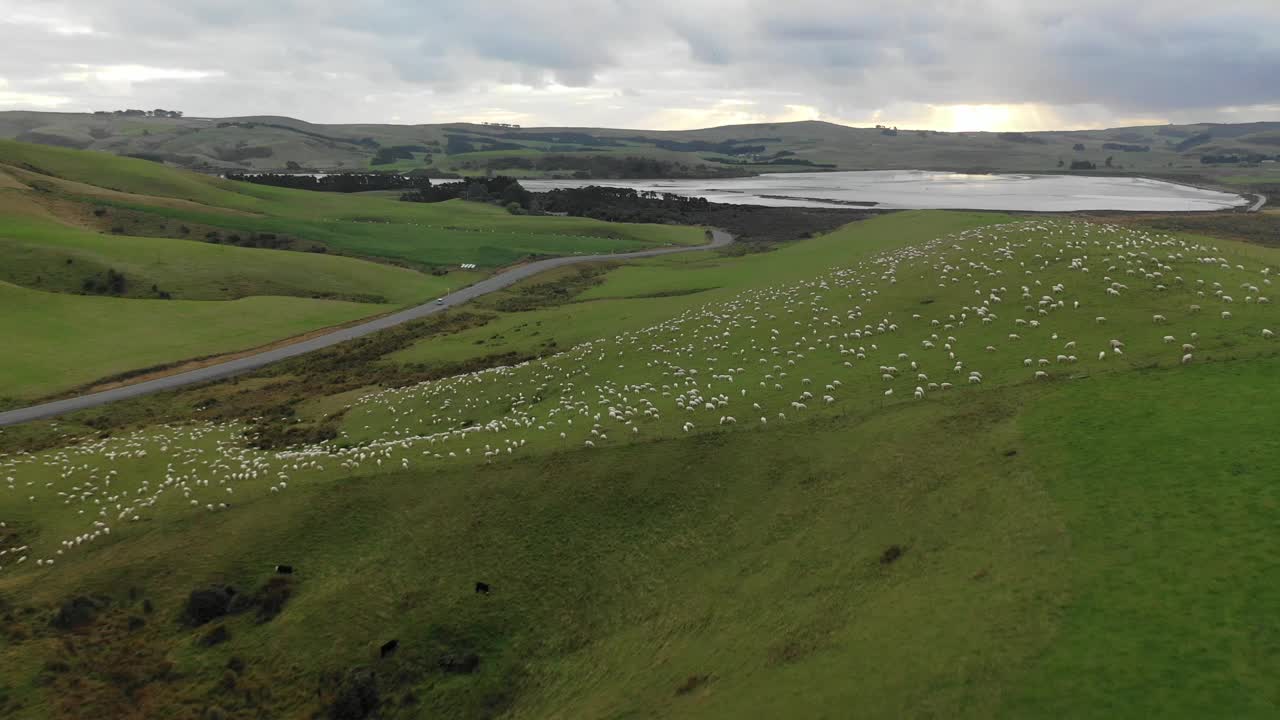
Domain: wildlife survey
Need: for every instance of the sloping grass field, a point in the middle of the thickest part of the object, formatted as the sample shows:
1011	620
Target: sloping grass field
61	341
58	260
48	255
929	465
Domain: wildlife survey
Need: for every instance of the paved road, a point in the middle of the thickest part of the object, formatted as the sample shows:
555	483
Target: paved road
1262	200
252	362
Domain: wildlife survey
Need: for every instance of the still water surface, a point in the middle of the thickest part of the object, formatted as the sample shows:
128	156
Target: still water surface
916	189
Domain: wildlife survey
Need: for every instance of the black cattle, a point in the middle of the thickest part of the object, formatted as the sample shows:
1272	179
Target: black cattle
482	588
284	569
388	648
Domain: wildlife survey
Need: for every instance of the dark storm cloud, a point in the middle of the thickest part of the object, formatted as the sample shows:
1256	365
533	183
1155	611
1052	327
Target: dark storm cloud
626	60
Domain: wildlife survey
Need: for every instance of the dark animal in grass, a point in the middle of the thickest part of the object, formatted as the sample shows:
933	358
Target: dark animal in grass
460	664
891	554
482	588
388	648
284	569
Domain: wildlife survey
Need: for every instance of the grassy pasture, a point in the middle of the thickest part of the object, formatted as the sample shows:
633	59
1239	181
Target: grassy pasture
54	199
435	234
47	255
63	341
1093	542
124	174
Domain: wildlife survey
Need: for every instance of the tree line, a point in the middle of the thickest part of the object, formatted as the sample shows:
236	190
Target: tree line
141	113
603	166
498	190
342	182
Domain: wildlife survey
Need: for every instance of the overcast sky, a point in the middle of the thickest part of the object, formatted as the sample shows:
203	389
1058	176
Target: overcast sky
662	64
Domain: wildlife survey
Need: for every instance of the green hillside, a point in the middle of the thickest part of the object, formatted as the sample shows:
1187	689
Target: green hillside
70	340
287	144
931	464
96	251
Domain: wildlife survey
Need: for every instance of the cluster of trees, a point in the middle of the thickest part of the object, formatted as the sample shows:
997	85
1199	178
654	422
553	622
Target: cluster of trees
108	283
567	137
886	130
364	142
389	155
266	240
499	190
755	227
620	204
1086	165
1020	138
748	146
342	182
501	125
1233	158
458	144
779	159
241	152
1193	141
602	166
726	147
1122	147
141	113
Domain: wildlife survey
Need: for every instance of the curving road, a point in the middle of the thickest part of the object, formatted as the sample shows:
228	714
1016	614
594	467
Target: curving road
719	238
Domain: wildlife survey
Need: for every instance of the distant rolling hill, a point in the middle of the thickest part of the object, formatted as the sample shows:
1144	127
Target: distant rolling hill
284	144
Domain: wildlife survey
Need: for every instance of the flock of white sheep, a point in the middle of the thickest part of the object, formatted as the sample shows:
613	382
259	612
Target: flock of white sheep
1036	301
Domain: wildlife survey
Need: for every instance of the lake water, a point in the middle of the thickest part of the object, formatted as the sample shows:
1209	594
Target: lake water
915	189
